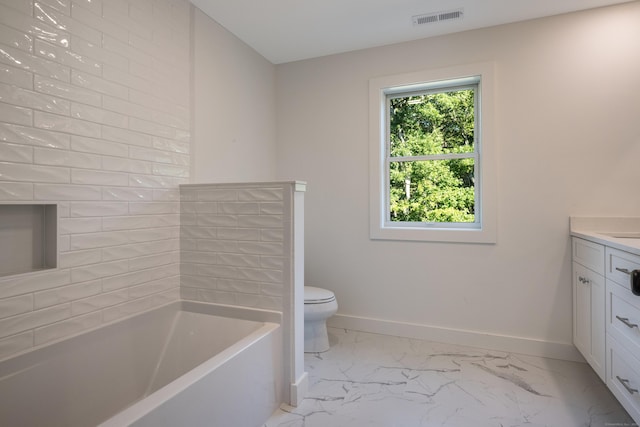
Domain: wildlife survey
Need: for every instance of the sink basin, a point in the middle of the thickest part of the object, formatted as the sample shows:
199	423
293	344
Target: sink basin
624	234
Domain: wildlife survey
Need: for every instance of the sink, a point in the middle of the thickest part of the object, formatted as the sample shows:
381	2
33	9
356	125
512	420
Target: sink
624	234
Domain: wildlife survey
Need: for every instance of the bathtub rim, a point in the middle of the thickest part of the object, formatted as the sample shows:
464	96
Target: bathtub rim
214	309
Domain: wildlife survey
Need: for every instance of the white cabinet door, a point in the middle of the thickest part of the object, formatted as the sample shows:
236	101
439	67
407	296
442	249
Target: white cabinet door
589	317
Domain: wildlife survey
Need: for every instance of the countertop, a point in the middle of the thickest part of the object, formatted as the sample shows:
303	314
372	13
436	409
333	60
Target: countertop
607	231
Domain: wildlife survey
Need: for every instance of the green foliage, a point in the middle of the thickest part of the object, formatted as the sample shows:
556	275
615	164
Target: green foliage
432	190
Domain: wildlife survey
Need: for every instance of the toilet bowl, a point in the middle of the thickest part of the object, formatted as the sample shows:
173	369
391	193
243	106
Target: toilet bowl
319	305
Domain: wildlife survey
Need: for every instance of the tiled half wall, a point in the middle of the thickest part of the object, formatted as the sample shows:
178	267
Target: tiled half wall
94	117
237	243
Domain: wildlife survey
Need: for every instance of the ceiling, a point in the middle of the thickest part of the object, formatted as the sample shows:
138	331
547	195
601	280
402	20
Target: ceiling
290	30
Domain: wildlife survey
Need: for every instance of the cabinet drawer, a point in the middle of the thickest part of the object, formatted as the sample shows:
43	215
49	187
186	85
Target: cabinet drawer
589	254
623	377
619	266
623	316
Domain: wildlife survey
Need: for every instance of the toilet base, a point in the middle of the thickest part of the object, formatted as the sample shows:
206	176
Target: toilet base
316	338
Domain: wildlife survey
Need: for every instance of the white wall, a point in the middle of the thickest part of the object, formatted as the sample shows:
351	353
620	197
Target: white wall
233	107
566	112
94	117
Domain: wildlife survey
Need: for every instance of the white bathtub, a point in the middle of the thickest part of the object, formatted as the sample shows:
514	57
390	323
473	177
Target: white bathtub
184	364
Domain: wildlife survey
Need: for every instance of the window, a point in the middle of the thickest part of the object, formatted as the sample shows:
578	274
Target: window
432	160
431	155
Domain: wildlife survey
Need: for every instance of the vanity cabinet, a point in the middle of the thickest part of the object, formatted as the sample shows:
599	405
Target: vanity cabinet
606	250
606	315
589	303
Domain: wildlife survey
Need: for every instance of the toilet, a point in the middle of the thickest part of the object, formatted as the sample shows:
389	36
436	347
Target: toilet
319	305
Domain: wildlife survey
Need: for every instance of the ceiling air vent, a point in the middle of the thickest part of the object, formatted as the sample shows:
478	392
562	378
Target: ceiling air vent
431	18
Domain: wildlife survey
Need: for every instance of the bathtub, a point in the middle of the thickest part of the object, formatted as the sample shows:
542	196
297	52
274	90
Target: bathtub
184	364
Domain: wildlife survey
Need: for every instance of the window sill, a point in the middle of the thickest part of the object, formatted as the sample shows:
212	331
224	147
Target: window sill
444	235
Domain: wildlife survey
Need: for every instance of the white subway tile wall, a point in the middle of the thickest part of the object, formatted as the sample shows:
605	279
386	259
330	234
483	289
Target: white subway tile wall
236	243
94	116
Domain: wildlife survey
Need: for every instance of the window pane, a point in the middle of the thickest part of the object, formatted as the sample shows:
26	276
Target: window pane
432	191
432	123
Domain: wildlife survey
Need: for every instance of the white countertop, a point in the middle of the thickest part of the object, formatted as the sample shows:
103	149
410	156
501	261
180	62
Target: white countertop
607	231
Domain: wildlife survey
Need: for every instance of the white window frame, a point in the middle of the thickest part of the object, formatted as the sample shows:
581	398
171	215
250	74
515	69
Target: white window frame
484	230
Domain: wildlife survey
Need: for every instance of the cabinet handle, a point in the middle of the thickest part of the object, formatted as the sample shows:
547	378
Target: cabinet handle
623	270
625	384
625	320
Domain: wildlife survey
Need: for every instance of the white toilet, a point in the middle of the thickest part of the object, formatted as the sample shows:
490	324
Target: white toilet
319	305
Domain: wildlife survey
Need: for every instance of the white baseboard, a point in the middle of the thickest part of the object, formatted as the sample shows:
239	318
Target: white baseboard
510	344
299	389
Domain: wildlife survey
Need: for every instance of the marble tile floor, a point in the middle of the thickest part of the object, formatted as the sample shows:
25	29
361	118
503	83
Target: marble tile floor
383	381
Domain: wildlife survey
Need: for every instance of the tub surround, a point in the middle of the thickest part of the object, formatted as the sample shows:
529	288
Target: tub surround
95	120
243	244
235	242
243	254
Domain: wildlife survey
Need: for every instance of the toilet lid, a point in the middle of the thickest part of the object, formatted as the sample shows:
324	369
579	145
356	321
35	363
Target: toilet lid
313	295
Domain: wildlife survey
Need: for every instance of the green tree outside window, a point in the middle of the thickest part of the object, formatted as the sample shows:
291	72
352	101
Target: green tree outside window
432	157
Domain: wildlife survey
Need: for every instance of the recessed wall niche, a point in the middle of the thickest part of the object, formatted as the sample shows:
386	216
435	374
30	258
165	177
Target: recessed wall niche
28	238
